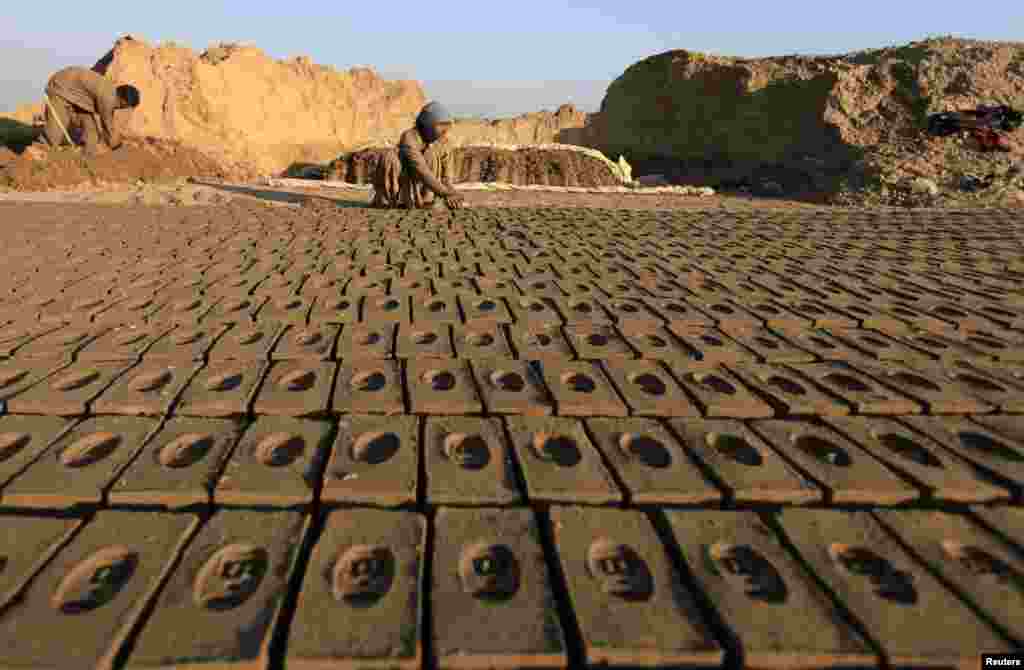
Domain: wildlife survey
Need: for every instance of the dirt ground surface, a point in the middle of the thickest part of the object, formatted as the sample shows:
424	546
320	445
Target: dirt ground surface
163	370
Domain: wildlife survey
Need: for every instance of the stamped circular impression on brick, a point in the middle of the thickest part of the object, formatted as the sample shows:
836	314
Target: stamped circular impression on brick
297	380
561	450
375	448
735	447
280	449
75	380
12	443
439	380
619	570
363	573
645	449
149	382
90	449
95	581
185	450
230	577
467	451
507	380
489	570
822	450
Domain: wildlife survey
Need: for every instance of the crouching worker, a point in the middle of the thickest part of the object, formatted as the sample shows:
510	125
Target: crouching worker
82	101
419	174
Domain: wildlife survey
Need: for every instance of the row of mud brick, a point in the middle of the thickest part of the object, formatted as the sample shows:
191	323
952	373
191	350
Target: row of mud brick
54	463
491	588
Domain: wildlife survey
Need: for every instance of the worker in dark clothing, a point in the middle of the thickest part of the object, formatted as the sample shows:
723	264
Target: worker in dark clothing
419	174
83	101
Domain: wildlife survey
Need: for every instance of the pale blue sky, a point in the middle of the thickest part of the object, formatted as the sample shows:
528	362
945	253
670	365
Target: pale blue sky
488	58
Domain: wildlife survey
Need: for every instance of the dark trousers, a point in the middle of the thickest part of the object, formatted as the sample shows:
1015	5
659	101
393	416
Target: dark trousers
80	124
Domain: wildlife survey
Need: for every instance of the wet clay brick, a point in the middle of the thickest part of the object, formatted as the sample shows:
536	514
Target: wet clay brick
292	309
719	393
148	389
15	335
942	347
235	309
386	309
941	474
880	346
651	464
425	341
369	387
441	387
493	602
127	343
221	389
581	389
239	565
649	389
511	387
17	376
632	314
770	347
277	463
595	343
360	604
469	463
329	307
711	347
632	607
742	464
27	543
824	345
728	314
656	344
1006	521
61	343
482	340
982	569
488	308
937	394
298	388
187	311
185	343
70	391
24	438
374	461
306	343
775	315
744	570
559	462
581	310
996	385
532	312
540	343
880	583
679	314
78	468
179	465
788	392
94	590
251	342
822	313
435	310
860	391
1004	346
361	341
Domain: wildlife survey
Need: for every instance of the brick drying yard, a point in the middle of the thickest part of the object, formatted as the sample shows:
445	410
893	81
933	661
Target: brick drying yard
242	436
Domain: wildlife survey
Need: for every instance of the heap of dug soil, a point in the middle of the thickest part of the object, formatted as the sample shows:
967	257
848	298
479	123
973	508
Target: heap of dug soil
793	124
521	166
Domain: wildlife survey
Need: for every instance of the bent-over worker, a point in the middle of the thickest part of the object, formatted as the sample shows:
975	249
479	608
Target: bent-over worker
85	101
419	174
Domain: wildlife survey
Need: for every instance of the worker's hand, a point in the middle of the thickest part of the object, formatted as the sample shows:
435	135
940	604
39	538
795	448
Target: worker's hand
455	201
115	147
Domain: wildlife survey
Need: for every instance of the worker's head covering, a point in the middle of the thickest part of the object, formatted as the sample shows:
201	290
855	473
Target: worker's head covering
432	113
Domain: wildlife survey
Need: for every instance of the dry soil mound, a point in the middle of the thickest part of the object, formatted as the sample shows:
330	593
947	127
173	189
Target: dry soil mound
566	125
804	122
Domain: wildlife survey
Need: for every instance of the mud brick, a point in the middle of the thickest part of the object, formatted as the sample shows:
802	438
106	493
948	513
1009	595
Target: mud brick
126	343
631	604
942	475
531	312
581	389
362	341
511	387
942	347
306	343
179	465
252	342
27	544
481	340
651	464
649	389
712	347
846	471
788	392
1004	346
61	343
360	602
128	553
770	347
494	603
496	286
221	389
442	309
80	465
988	443
369	387
186	343
297	388
148	389
79	307
823	314
235	309
386	309
995	384
914	318
425	341
742	464
744	570
880	346
68	392
559	462
469	463
187	311
824	345
23	439
728	314
442	387
334	308
981	568
546	288
879	582
540	343
656	344
1005	521
414	286
277	286
719	393
17	334
374	461
859	390
132	308
484	309
292	309
17	376
239	562
598	342
938	394
957	314
455	285
582	311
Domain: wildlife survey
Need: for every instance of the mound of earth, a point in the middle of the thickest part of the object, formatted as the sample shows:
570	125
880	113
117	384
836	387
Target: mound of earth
808	123
148	160
549	165
566	125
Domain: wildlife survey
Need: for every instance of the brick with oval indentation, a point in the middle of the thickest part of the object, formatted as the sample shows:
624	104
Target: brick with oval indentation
366	341
64	342
649	389
222	388
424	341
186	343
862	392
442	387
938	394
581	389
712	347
374	460
789	392
469	462
369	386
296	388
719	393
70	391
308	343
148	389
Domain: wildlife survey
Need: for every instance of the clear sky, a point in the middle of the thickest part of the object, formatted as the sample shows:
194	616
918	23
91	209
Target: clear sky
483	58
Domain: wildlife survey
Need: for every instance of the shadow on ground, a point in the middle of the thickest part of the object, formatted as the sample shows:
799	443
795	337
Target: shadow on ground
16	135
282	196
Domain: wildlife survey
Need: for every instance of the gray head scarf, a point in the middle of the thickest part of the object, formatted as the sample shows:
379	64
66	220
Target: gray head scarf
433	112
